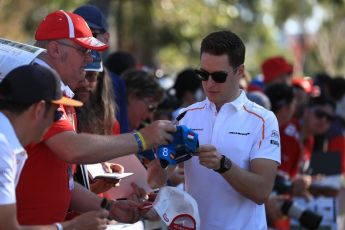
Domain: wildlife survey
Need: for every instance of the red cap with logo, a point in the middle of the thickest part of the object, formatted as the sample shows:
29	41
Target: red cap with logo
274	67
61	24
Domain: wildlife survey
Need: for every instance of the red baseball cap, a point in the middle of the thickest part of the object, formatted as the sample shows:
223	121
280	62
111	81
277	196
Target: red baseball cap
61	24
274	67
307	85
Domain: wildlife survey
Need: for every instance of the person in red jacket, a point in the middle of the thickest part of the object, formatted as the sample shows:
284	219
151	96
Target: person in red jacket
297	136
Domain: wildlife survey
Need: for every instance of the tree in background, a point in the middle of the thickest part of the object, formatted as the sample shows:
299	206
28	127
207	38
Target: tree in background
166	33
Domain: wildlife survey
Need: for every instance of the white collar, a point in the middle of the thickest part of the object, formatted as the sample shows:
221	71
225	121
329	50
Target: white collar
237	103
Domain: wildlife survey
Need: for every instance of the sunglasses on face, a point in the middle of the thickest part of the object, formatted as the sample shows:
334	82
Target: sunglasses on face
91	76
150	107
81	50
95	33
321	114
217	76
57	115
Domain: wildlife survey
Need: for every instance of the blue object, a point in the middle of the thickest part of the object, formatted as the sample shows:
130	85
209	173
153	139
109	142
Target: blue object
96	64
182	148
93	16
121	101
140	143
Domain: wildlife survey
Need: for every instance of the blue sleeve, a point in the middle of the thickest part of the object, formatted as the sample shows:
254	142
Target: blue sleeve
121	102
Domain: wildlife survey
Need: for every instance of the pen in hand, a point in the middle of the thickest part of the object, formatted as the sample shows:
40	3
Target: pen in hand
179	117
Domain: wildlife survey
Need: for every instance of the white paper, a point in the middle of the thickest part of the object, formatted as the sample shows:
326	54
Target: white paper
333	181
120	226
14	54
131	163
96	171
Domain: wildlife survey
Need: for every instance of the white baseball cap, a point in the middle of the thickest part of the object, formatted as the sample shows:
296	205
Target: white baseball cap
177	208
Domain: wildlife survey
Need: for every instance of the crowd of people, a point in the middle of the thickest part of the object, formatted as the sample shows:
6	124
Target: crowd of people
69	108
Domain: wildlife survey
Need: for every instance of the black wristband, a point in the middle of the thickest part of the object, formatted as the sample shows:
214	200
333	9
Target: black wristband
225	165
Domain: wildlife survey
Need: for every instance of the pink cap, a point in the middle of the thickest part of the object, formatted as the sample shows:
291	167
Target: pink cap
61	24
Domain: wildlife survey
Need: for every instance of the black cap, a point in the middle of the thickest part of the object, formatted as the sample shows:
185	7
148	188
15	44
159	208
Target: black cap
32	83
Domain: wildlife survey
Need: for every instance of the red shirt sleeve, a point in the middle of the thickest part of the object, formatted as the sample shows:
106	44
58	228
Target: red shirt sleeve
64	124
290	150
116	128
337	144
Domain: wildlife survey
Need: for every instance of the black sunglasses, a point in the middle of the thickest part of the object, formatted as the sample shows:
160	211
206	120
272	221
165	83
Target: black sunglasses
57	115
95	33
321	114
150	107
217	76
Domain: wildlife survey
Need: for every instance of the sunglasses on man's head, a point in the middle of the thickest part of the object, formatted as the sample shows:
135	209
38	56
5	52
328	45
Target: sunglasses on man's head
217	76
321	114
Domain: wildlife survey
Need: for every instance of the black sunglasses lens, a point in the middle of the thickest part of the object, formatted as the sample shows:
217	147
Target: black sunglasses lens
219	77
57	115
320	114
202	75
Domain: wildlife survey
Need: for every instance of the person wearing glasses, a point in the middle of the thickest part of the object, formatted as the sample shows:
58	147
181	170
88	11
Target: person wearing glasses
46	199
297	136
96	21
29	99
97	116
143	97
116	63
233	172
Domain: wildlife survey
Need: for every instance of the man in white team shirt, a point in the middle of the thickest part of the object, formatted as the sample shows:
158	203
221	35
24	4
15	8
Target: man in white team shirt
29	98
236	164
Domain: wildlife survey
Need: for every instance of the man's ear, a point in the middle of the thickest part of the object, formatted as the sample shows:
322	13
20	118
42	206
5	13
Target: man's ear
39	110
240	70
54	50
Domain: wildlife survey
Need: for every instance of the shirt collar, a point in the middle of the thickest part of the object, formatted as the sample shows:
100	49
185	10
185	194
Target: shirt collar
7	129
240	101
64	88
237	104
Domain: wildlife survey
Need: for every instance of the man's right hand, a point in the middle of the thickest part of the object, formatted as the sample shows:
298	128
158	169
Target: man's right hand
158	133
88	221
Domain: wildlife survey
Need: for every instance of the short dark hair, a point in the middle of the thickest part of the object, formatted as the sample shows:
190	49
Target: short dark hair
280	95
120	61
337	88
143	84
321	100
225	42
187	80
16	108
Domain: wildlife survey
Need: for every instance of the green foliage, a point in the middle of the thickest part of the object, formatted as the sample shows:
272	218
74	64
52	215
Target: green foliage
167	33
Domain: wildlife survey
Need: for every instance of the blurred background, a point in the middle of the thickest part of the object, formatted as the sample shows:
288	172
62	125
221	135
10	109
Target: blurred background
166	34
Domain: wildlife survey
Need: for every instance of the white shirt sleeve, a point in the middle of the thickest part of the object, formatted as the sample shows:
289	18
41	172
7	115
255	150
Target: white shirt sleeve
268	143
7	173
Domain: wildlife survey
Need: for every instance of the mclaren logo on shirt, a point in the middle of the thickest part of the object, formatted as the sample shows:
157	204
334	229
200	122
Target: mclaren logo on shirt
239	133
197	129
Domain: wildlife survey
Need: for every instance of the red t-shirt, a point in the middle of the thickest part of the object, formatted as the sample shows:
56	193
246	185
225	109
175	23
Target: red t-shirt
294	151
43	193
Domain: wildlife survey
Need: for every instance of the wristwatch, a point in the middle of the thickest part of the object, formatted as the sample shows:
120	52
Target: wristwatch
225	165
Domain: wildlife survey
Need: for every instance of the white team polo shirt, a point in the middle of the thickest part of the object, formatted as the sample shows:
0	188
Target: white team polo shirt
12	159
242	131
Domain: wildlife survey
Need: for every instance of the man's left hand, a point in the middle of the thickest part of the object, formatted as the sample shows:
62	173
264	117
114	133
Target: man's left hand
209	157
